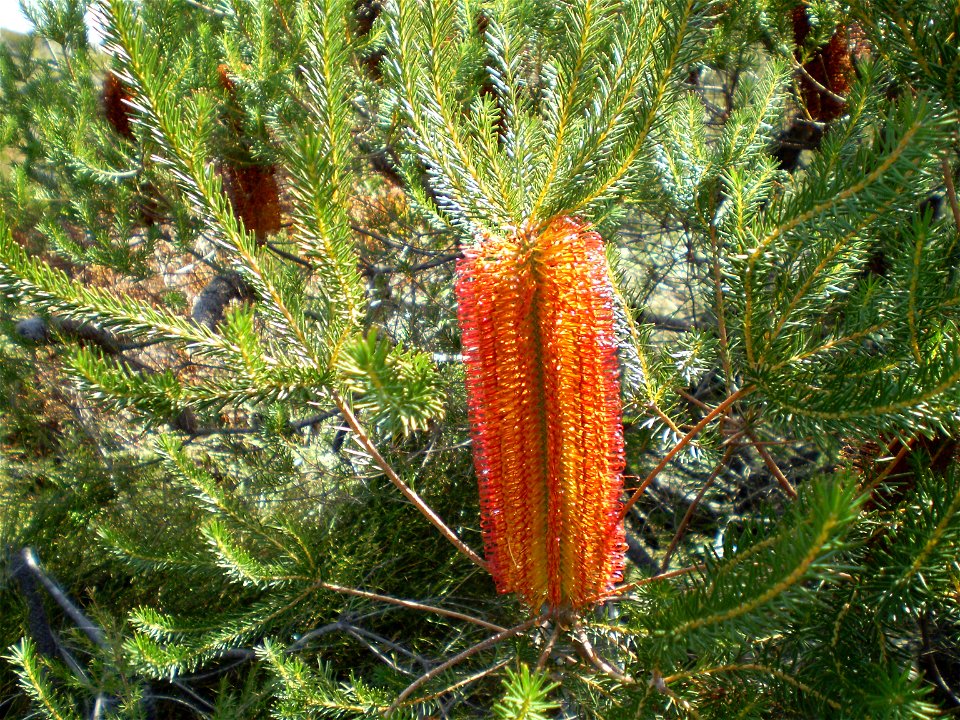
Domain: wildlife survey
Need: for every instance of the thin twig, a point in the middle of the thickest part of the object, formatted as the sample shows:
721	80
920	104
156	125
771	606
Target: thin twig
436	262
293	425
192	693
545	655
387	660
28	556
367	444
460	657
951	190
312	420
929	660
755	667
620	590
666	418
678	535
239	657
99	706
721	311
824	90
412	605
361	635
400	245
582	643
875	483
287	255
694	431
659	683
460	683
198	711
665	322
396	647
302	641
691	398
772	466
207	9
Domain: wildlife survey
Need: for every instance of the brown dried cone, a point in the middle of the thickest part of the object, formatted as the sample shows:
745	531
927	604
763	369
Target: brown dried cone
896	472
860	48
366	12
233	112
793	140
114	96
223	71
898	462
252	187
255	196
830	67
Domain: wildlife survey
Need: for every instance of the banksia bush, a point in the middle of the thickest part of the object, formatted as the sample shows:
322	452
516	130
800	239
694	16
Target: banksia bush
538	339
257	497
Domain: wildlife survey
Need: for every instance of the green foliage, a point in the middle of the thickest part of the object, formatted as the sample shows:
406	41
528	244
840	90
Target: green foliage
592	92
245	503
309	693
36	684
399	389
915	41
525	696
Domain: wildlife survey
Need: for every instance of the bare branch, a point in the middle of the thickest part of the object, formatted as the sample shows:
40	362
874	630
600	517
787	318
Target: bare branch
367	444
694	431
460	657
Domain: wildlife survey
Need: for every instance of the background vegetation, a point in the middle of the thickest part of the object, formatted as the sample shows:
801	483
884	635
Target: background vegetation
231	373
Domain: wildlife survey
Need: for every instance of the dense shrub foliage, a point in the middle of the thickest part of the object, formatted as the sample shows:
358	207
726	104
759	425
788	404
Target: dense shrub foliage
236	467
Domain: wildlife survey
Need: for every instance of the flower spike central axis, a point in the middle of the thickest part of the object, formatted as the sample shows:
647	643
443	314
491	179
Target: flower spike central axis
537	315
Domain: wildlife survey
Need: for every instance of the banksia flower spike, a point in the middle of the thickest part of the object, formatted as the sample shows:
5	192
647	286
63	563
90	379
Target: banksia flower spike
537	315
831	67
115	96
251	186
255	196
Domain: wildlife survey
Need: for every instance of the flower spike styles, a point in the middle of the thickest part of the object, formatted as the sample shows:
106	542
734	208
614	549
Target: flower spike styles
537	315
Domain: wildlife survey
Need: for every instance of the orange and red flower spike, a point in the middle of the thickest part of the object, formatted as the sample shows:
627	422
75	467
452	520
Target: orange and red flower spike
537	314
